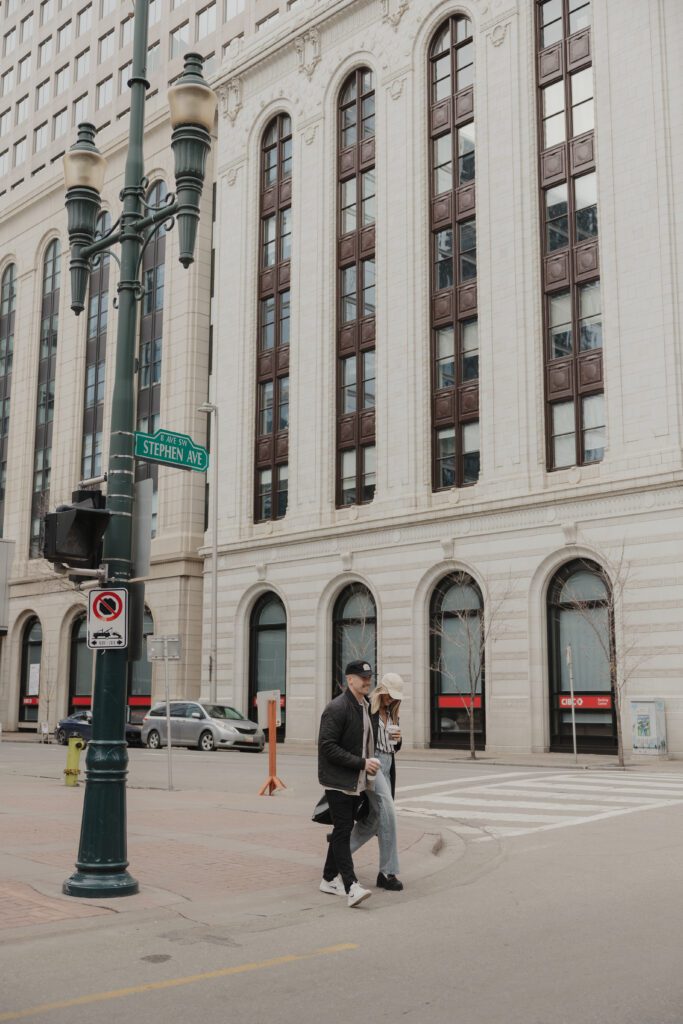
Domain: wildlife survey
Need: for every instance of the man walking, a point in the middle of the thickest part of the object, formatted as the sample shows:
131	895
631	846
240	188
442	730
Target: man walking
346	767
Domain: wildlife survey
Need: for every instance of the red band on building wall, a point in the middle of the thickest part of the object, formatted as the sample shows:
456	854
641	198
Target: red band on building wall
456	701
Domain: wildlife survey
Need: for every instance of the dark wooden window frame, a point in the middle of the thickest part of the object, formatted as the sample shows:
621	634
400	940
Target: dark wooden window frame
455	406
579	375
461	738
274	284
338	624
29	712
355	337
559	742
8	302
47	367
255	629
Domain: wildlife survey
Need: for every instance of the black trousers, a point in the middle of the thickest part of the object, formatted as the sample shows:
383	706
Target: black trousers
339	860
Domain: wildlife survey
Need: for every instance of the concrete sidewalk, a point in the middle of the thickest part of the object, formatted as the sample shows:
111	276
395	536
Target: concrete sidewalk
209	856
445	755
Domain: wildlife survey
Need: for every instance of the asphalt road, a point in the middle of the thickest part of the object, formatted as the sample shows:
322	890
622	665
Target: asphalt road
558	900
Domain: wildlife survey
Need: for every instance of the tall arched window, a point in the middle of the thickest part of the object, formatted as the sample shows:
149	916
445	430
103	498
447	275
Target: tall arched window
457	662
572	304
271	484
268	653
95	356
29	689
455	331
580	617
151	336
8	299
354	623
80	667
47	365
356	456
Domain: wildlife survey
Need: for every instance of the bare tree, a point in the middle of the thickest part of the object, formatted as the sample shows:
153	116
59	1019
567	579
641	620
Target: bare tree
474	629
622	660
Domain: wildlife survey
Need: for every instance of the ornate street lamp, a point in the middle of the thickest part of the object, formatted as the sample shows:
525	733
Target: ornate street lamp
101	867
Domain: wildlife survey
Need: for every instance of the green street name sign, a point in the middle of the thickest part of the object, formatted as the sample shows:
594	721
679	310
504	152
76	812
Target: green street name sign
171	449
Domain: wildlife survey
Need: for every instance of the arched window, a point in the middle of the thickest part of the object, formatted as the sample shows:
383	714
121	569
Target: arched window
271	483
151	337
29	689
268	653
95	356
80	667
354	622
455	330
580	617
457	663
8	300
572	304
356	455
47	365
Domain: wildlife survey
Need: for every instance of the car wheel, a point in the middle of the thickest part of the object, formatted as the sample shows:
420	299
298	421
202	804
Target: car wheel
206	741
61	737
154	740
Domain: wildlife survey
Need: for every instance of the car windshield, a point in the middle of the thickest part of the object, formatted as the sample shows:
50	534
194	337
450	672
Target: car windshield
222	711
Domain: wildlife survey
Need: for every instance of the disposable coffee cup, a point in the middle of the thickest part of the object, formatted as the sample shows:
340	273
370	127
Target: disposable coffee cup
393	729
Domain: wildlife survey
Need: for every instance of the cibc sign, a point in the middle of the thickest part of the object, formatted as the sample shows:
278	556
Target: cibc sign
591	702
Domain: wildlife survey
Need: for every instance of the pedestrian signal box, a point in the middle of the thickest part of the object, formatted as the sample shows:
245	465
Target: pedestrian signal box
73	533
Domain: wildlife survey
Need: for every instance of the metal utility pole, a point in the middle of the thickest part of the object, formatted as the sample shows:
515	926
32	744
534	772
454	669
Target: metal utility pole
101	867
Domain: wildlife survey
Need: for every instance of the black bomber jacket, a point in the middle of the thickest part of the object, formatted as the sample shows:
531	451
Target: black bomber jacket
340	743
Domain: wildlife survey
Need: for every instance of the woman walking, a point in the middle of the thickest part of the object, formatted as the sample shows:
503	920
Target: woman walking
385	703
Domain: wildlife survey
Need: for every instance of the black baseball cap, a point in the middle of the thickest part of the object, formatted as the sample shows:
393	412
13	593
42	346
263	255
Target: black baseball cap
358	668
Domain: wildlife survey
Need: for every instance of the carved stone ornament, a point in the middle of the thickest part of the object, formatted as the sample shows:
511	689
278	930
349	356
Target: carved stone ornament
448	548
498	33
231	175
230	98
570	531
308	51
393	11
260	571
347	560
309	133
396	88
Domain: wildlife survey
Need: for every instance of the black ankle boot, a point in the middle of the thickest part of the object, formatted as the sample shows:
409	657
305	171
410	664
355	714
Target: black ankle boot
389	882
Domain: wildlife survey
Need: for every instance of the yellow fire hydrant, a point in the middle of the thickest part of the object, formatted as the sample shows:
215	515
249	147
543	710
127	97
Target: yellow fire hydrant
73	758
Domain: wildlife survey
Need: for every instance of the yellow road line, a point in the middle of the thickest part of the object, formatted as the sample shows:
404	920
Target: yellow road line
152	986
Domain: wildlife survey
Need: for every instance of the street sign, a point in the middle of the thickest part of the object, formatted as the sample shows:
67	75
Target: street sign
107	619
171	449
163	648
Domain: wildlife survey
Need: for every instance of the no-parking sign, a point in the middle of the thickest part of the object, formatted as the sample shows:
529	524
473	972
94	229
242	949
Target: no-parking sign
107	619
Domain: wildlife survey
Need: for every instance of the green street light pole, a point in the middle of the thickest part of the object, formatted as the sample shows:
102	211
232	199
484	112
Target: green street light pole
101	867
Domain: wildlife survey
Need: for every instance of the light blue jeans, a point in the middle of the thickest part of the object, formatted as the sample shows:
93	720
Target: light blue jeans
381	820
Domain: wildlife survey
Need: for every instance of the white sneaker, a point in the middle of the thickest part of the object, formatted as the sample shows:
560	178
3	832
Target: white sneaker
357	894
335	887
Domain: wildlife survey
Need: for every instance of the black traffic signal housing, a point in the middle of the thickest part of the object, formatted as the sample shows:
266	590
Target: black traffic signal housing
73	533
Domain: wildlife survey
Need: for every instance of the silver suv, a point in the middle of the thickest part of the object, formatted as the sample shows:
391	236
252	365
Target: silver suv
206	726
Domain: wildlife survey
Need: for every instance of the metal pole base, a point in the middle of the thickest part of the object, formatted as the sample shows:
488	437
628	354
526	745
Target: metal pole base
95	885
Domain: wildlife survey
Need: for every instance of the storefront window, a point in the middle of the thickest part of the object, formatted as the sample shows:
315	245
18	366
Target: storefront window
457	665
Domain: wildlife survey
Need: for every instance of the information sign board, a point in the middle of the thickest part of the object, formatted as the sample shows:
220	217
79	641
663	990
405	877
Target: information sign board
107	619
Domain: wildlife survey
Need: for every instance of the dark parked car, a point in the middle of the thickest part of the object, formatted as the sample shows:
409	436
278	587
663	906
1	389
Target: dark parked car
80	724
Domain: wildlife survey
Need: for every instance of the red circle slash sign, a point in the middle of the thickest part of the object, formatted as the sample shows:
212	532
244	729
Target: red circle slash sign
107	606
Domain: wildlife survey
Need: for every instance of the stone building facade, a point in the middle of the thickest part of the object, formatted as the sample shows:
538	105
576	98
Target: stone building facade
556	517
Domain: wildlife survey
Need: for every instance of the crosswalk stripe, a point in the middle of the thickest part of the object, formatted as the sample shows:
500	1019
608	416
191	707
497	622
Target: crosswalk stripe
569	794
466	780
512	804
543	805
